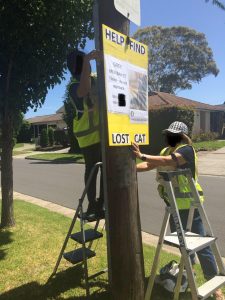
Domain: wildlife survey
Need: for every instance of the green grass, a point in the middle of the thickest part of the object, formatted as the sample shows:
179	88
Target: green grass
28	254
58	157
209	145
18	145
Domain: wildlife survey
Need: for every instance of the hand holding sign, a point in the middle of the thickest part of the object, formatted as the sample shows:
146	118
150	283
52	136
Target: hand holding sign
136	150
94	54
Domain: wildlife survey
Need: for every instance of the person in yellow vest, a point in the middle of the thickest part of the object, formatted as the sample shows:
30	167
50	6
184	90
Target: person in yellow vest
83	95
180	153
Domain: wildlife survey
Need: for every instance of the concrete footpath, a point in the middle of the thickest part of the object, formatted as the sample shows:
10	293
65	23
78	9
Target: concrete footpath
212	162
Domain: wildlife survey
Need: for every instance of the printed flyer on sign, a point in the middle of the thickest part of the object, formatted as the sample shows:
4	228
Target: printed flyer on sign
126	81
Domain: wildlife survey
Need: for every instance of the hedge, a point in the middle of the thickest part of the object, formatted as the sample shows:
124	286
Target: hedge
160	119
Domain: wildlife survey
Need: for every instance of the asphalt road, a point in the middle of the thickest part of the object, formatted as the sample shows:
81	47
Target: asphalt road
63	184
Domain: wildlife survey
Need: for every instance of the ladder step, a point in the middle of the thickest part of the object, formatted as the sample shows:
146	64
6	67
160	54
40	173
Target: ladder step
90	235
76	256
194	241
210	286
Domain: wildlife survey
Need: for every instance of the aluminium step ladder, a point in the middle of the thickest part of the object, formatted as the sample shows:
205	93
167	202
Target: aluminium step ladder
186	241
83	237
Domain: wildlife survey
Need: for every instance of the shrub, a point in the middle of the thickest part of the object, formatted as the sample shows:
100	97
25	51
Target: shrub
205	136
25	133
44	138
51	136
61	137
160	119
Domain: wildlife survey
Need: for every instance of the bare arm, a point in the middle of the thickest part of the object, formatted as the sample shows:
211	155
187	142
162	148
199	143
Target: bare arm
85	79
157	161
144	166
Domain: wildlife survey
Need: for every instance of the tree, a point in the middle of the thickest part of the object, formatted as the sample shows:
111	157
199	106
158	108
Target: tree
217	3
25	133
68	117
35	38
51	136
178	57
44	140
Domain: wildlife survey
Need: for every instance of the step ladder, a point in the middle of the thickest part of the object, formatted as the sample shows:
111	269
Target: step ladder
186	241
84	237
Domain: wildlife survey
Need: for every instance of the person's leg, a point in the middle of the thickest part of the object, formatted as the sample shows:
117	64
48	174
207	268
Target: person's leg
205	256
91	157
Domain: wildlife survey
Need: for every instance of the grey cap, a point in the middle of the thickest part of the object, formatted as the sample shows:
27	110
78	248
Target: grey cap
177	127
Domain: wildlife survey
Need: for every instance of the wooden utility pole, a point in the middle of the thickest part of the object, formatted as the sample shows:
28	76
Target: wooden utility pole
125	253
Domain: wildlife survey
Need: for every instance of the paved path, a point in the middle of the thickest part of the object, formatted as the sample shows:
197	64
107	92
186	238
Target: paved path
30	150
212	162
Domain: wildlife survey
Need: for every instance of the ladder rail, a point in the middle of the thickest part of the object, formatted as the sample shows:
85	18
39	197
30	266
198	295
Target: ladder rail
181	236
66	241
80	204
179	280
175	215
96	166
207	226
200	207
157	254
207	289
95	228
84	254
190	218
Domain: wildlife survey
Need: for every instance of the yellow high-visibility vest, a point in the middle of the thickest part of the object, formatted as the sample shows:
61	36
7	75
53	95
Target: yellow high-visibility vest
86	129
182	188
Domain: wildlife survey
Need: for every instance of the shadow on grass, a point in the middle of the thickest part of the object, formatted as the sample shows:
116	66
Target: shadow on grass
71	278
5	238
57	161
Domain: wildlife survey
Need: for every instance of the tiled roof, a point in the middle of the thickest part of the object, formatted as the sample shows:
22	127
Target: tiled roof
221	106
160	99
61	110
45	119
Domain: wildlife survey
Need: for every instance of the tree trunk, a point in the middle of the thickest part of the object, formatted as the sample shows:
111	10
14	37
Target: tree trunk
125	253
7	215
127	264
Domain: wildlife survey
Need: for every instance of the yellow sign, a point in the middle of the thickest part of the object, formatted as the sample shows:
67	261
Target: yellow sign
126	81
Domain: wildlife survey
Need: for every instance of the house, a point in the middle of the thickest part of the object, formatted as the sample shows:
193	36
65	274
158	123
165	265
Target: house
54	121
206	117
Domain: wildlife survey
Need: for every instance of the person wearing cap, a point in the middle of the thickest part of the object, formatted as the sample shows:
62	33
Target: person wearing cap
83	95
180	153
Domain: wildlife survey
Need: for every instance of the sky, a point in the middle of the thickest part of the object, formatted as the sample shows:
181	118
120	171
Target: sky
196	14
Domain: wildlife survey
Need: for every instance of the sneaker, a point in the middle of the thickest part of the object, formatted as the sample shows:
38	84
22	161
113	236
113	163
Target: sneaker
100	214
219	295
90	213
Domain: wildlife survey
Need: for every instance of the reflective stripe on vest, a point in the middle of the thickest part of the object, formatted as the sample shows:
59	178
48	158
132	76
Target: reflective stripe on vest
86	129
182	189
